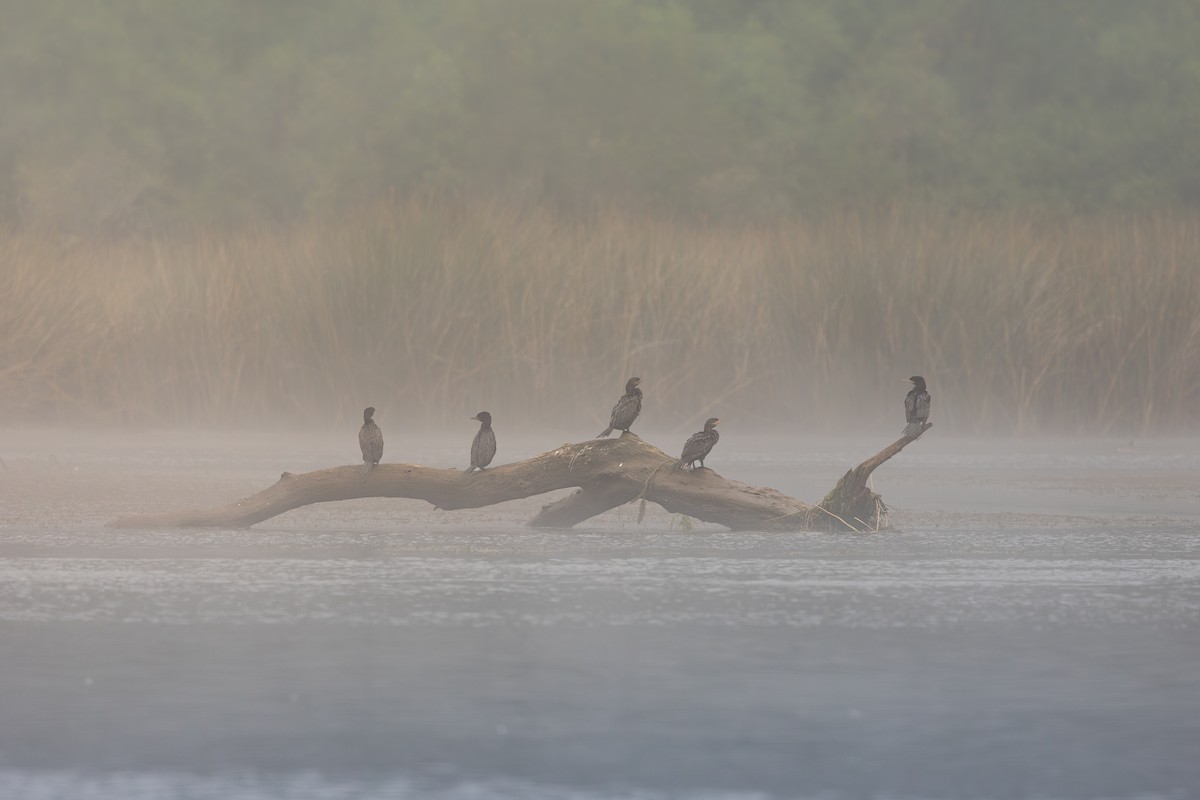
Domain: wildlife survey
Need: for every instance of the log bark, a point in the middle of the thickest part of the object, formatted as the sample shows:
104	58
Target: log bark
606	472
852	505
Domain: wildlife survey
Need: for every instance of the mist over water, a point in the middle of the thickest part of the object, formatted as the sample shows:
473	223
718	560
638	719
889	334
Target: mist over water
227	227
1027	630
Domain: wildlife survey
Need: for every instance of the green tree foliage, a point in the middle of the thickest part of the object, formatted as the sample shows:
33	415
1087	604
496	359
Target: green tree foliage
123	114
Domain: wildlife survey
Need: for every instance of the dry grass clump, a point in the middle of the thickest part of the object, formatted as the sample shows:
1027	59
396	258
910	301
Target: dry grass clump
434	310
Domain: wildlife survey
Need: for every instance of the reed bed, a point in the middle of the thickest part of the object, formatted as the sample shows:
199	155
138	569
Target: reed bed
433	310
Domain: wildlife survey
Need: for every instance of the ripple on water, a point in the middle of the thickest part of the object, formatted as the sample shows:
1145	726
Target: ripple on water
519	587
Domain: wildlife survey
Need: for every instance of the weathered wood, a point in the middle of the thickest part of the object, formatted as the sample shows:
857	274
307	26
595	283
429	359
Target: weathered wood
607	472
852	505
450	489
582	505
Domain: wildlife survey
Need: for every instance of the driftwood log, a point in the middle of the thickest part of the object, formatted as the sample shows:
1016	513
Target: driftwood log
606	472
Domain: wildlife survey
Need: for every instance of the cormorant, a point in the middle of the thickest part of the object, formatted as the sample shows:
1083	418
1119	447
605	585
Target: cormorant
916	407
626	410
483	449
370	440
699	444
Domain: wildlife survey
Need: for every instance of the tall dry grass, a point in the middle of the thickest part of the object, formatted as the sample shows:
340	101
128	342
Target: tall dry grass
433	310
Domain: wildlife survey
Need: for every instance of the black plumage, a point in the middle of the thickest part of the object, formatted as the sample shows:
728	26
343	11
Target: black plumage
626	410
370	440
916	407
483	449
699	444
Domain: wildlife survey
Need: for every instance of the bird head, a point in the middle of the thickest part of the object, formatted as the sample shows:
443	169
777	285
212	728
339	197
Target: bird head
711	423
483	417
918	382
368	412
631	384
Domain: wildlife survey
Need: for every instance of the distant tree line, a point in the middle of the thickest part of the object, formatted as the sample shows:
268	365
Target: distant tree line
120	115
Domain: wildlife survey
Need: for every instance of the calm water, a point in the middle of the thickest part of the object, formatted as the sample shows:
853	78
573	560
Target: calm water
1031	629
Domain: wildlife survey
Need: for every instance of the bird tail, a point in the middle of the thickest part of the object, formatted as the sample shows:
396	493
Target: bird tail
367	467
678	464
467	471
912	429
605	432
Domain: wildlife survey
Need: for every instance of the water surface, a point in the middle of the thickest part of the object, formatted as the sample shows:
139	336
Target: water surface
1031	628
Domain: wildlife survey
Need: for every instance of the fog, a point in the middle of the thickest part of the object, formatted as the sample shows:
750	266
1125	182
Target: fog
125	117
228	227
432	311
773	212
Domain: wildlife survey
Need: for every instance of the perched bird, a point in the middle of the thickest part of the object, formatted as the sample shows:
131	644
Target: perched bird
483	449
916	407
370	440
626	410
699	444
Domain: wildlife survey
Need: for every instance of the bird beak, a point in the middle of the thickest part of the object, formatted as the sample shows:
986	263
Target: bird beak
715	424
